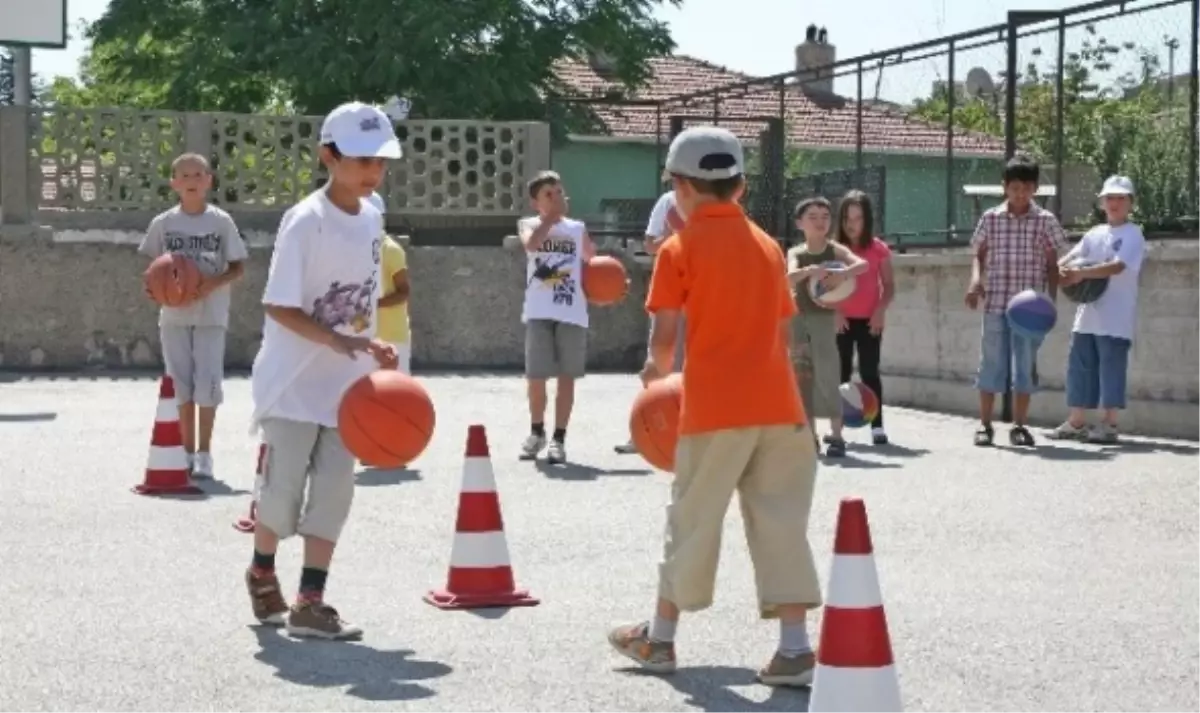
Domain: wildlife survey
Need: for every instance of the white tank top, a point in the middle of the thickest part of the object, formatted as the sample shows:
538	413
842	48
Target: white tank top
553	275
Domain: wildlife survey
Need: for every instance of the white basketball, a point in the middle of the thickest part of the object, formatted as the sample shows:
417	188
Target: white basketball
828	298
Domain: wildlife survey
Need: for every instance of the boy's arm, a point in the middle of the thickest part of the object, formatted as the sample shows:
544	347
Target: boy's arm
665	302
1128	257
589	246
979	251
855	265
395	263
153	243
235	257
537	236
786	310
887	279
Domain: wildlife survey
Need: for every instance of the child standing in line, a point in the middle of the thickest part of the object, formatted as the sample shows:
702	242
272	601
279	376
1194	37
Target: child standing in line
742	426
1103	331
555	312
1016	246
860	317
321	304
193	334
393	305
814	346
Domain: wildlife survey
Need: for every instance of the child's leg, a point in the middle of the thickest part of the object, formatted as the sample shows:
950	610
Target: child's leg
1024	383
208	346
570	346
827	401
1114	366
845	347
994	360
1083	379
869	348
331	493
180	365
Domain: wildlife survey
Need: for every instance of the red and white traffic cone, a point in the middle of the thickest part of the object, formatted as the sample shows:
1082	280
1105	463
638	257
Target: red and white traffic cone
246	524
855	667
167	465
481	575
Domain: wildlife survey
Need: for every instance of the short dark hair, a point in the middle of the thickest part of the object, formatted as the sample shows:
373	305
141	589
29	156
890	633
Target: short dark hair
723	189
813	202
540	181
863	201
1022	168
334	150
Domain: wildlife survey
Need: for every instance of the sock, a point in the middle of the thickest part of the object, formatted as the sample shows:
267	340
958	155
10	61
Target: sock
312	583
263	563
560	435
793	640
539	430
663	630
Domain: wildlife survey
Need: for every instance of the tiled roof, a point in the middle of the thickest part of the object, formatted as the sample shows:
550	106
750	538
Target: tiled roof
826	121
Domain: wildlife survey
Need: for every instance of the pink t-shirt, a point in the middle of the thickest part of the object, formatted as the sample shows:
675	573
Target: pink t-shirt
869	289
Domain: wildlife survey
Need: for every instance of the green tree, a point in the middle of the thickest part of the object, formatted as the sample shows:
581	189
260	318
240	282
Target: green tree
7	79
490	59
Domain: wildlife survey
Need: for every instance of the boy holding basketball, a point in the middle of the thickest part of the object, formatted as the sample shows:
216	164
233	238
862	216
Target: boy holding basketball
321	303
742	425
1016	246
193	334
555	312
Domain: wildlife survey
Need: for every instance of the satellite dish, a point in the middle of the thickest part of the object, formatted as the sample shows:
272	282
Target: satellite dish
397	108
979	83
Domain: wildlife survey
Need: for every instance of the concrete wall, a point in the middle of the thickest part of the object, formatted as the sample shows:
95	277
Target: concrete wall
72	299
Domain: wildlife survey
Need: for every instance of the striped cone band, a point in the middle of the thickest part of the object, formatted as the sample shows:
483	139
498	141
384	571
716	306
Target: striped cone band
166	463
166	388
166	458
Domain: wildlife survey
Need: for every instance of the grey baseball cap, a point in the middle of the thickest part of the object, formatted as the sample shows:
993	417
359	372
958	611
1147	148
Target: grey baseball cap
708	153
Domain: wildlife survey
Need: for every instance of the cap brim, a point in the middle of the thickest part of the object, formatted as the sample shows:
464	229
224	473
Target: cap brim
388	148
1114	192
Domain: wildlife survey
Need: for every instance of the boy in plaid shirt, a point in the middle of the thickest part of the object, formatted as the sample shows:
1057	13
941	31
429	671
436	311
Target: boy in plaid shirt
1016	246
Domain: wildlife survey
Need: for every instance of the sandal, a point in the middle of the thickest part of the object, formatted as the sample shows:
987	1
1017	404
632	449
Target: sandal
836	448
1020	436
985	435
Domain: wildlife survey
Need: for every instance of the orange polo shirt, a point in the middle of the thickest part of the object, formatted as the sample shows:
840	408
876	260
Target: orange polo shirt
730	278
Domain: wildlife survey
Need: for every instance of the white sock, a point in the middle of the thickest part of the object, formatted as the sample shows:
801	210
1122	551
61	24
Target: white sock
793	640
662	630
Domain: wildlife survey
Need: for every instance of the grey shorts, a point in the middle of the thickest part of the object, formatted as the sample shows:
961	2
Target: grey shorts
555	349
817	363
299	457
679	341
195	360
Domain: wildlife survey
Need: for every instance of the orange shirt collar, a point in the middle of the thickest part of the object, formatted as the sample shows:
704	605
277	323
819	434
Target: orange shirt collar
715	209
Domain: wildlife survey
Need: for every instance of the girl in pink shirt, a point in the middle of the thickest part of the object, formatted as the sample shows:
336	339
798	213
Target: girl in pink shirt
860	317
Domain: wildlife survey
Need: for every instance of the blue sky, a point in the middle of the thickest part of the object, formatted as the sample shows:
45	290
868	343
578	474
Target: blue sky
773	27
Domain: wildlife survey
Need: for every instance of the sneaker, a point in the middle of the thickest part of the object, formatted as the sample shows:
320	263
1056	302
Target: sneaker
318	620
1104	434
879	437
836	447
556	454
788	670
1068	432
202	466
266	599
532	446
633	642
627	448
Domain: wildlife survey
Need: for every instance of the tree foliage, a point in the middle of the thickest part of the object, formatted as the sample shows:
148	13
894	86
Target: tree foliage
7	79
490	59
1132	124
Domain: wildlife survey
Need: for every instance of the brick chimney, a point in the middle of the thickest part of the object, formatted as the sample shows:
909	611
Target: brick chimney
813	58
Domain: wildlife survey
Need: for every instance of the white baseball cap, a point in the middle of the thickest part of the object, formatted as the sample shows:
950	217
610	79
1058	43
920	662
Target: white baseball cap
1117	186
361	131
708	153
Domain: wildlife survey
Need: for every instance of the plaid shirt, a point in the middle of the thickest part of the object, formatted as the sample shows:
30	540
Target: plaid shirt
1018	247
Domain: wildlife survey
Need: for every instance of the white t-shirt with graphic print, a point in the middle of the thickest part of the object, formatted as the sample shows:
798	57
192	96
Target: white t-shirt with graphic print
1115	313
326	262
553	288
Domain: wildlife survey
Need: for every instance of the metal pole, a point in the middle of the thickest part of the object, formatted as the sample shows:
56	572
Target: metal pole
952	91
22	76
1060	109
1195	108
1010	149
858	124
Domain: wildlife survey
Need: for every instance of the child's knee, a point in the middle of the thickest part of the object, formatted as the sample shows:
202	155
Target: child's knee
328	505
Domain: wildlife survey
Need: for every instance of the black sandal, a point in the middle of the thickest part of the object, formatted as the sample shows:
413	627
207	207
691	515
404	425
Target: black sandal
1020	436
985	435
837	447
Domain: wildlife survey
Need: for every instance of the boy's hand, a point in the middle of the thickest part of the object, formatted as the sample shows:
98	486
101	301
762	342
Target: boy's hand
384	353
1069	276
348	345
974	293
831	278
205	288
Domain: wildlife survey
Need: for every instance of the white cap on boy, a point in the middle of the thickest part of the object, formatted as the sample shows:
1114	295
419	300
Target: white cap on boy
1117	186
361	131
707	153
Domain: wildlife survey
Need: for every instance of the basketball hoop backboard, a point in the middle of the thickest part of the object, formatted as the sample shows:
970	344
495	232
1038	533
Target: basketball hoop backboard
33	23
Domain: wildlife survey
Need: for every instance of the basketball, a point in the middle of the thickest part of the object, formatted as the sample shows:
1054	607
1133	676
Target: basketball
1031	314
604	280
654	421
172	279
860	405
1088	290
386	419
828	298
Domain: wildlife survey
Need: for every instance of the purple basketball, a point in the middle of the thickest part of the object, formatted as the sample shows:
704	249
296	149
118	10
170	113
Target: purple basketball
1032	313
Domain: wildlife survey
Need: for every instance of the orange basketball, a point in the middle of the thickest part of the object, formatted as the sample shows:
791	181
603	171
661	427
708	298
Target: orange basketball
654	421
386	419
604	280
172	279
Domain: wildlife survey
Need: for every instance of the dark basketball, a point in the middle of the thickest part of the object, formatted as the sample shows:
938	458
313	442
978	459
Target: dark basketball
1088	290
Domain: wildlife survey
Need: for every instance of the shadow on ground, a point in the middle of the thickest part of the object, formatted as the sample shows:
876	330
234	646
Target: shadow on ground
579	471
376	477
365	672
711	688
36	417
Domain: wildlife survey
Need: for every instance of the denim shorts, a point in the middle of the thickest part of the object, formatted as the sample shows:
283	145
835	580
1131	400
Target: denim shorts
1096	369
1001	349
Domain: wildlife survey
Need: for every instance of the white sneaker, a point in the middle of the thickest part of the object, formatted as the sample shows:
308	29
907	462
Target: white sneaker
879	436
556	454
626	448
202	466
532	446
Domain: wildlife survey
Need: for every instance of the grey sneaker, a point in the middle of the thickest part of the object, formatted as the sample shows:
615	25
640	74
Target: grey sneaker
266	599
788	670
532	446
556	453
1104	434
202	466
318	620
627	448
633	642
1068	432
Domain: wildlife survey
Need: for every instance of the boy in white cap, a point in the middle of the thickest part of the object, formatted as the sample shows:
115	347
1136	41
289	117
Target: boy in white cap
321	302
1103	331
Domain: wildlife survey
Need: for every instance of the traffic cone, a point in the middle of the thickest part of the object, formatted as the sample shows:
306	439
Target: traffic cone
481	575
246	524
855	668
166	467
